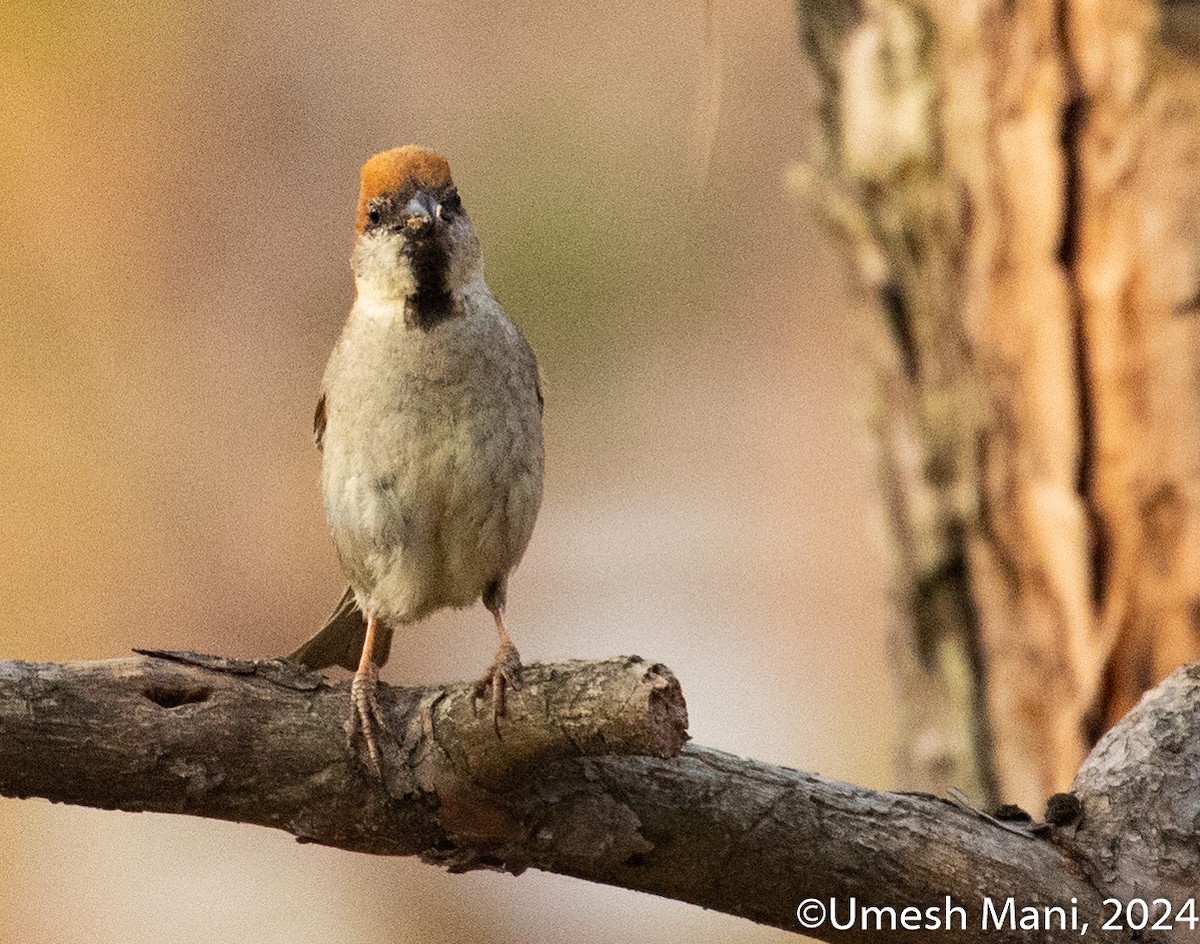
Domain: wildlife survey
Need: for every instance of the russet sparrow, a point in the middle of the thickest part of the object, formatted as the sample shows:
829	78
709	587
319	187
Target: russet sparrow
430	428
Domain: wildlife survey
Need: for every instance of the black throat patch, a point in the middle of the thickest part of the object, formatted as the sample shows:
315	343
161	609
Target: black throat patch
430	301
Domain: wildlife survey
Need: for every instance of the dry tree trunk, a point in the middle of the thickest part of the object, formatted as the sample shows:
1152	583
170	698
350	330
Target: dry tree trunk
1016	184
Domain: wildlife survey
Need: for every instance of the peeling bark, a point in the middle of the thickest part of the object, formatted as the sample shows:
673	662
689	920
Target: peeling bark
1020	181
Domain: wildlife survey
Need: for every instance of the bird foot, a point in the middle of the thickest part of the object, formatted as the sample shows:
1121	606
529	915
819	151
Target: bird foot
504	674
365	717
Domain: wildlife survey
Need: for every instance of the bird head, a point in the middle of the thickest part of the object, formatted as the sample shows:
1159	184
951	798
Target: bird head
414	239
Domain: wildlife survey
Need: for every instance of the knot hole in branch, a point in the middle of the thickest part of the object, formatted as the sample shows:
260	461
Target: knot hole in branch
173	696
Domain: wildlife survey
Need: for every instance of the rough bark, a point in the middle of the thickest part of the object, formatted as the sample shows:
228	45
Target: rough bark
1138	848
588	777
1015	183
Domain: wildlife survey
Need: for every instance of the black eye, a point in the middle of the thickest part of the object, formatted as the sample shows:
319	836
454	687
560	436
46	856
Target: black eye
452	201
373	215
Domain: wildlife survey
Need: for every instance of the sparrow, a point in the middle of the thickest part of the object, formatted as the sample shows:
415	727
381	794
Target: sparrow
429	425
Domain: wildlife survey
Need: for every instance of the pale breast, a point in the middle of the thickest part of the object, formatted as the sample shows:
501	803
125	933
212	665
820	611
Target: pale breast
432	471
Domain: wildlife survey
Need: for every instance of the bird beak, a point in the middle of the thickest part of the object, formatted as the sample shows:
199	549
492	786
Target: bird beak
420	212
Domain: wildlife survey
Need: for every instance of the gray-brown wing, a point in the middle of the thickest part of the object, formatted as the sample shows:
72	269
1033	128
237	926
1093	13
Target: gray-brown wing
319	423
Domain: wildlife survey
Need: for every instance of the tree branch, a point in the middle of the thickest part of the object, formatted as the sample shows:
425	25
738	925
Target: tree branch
587	777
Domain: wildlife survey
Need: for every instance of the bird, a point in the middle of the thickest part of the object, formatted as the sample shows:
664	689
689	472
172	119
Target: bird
429	424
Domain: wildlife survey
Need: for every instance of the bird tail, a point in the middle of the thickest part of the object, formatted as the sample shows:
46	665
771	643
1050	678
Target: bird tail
340	640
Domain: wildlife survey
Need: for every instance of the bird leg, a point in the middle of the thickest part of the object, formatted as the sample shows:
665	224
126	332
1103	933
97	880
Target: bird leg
365	717
505	672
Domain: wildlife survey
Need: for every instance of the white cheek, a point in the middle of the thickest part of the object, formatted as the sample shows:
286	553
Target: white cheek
381	272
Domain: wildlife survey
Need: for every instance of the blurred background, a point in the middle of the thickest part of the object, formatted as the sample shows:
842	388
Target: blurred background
178	185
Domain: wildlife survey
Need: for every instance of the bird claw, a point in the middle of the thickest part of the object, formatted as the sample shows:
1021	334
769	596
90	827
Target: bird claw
504	674
366	718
